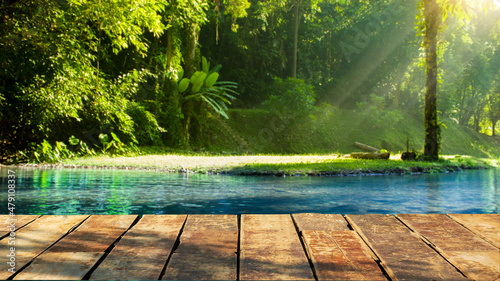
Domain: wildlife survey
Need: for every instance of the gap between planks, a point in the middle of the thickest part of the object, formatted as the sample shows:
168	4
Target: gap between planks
296	229
31	243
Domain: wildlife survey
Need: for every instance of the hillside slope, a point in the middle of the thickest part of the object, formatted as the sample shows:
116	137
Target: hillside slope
258	131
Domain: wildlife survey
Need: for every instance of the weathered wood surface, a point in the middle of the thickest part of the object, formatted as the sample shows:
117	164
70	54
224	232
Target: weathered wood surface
485	225
336	252
80	250
270	249
321	222
142	252
60	266
476	258
403	254
33	239
10	223
207	250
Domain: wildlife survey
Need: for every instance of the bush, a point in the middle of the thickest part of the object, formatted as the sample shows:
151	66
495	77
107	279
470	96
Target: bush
291	99
146	128
377	111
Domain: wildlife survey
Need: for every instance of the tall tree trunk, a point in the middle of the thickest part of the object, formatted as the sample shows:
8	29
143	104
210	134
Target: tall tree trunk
190	59
295	37
432	16
461	108
170	47
191	62
493	125
477	117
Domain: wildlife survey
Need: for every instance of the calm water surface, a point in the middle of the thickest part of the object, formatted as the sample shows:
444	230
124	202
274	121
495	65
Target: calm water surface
83	191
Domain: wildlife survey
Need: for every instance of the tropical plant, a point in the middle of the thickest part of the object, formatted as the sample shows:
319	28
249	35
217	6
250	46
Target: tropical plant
115	145
203	87
45	152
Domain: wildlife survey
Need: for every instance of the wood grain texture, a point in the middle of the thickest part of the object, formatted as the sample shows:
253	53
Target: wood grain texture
96	234
337	253
10	223
476	258
207	250
141	254
80	249
60	266
322	222
486	226
34	238
270	249
409	247
403	254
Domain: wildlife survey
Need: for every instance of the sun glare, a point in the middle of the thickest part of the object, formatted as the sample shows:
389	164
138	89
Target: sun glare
495	4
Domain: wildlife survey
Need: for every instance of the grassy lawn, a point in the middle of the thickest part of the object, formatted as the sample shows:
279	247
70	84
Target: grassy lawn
282	165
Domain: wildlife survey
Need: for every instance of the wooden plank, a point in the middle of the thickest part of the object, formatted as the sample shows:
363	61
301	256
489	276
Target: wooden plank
402	253
337	253
270	249
96	234
60	266
207	250
81	249
14	223
476	258
33	239
321	222
141	254
485	225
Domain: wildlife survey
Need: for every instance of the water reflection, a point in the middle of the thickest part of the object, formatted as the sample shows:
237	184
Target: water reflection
80	191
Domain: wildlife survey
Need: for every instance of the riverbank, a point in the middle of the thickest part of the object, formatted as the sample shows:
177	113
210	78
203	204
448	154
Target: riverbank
277	165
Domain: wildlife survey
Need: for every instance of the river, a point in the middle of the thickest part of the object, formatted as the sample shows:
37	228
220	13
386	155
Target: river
94	191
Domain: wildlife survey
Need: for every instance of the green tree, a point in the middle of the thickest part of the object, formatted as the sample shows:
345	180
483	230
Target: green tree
434	12
493	106
432	19
54	56
299	6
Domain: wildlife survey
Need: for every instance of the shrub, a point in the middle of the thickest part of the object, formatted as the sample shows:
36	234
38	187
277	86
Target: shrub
377	111
146	128
291	99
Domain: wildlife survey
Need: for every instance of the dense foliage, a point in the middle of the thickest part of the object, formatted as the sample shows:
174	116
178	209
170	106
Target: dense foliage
136	70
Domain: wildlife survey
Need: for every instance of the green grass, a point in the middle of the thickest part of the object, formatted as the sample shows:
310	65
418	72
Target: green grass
253	142
251	131
280	164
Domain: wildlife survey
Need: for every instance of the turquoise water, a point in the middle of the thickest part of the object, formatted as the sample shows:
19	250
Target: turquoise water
84	191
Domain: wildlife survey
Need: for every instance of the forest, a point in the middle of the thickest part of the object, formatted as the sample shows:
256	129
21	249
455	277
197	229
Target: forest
79	76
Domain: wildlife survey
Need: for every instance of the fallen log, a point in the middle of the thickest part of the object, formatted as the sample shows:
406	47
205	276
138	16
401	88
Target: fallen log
366	147
370	155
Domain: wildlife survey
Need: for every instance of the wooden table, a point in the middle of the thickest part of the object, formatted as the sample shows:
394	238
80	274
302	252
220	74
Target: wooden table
251	247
